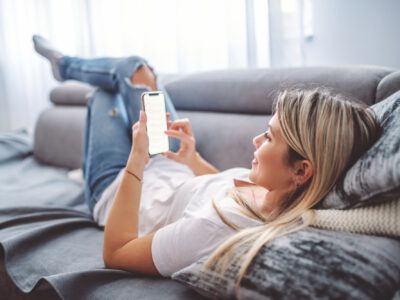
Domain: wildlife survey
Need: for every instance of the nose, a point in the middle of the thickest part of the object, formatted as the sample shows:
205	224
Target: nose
256	141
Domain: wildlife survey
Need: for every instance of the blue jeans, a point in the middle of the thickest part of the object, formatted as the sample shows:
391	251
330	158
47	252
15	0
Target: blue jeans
108	133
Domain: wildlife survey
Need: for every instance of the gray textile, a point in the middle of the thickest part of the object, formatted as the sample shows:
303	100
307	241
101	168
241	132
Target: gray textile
310	264
47	233
377	172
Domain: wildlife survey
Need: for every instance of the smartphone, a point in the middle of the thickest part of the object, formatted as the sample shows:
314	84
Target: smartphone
153	103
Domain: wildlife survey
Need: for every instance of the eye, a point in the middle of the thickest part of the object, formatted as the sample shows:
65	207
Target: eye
266	135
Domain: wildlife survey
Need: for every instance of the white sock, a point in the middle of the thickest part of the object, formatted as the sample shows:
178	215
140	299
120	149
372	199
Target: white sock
45	49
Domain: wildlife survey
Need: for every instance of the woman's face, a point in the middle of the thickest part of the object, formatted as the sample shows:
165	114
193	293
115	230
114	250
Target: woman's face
269	167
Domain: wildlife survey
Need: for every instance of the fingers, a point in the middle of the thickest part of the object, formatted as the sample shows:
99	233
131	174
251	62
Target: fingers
183	124
140	140
180	135
142	118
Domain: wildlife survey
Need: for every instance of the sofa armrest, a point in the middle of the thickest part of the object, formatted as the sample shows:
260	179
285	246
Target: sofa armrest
388	85
58	136
71	93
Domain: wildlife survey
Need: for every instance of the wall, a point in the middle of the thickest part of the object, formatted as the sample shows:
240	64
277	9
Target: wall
354	32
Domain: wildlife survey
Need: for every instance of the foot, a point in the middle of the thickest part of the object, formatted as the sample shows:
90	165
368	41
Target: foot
45	49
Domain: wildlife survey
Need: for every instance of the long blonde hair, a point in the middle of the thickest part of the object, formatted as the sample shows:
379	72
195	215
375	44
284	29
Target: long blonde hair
329	131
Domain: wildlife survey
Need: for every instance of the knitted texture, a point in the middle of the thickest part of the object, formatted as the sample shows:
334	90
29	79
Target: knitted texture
380	219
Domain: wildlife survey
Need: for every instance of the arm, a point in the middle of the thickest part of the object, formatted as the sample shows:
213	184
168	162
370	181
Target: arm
122	248
187	153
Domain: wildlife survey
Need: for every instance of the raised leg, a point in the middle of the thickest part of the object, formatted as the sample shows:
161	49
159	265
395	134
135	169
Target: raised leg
106	144
104	72
108	134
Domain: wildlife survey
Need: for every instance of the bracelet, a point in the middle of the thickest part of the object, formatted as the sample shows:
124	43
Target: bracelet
134	175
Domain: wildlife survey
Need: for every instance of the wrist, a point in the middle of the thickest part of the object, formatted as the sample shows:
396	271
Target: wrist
136	163
194	162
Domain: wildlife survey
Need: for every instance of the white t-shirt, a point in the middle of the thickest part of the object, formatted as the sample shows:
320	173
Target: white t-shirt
161	179
178	205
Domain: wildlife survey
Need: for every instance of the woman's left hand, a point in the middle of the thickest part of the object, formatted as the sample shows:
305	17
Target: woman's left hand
140	139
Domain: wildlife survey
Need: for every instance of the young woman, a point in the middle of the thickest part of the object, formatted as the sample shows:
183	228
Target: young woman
163	213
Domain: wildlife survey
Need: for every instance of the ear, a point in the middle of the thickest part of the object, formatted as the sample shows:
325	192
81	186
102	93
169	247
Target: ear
303	170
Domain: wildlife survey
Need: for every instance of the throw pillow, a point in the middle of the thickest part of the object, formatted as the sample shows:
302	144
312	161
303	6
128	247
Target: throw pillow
377	172
309	264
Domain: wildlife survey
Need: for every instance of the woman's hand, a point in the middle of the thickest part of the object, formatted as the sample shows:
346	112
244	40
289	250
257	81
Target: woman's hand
140	139
182	130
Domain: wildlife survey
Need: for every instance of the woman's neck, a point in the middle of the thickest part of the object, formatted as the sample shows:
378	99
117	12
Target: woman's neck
266	203
262	201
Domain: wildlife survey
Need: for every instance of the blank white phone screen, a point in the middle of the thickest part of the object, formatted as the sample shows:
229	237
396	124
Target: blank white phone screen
154	105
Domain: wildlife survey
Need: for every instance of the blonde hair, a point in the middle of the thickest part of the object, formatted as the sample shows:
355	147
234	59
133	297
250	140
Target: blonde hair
329	131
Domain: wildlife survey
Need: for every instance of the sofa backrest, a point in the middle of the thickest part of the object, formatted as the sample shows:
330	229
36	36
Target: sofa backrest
253	91
227	108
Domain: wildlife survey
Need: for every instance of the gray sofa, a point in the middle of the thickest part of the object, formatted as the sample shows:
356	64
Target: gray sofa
236	105
224	98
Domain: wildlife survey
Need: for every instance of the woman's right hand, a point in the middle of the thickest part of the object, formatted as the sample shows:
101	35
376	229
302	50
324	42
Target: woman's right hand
182	130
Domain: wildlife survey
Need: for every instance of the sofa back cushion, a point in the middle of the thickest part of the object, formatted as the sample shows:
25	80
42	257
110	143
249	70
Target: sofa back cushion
227	108
253	91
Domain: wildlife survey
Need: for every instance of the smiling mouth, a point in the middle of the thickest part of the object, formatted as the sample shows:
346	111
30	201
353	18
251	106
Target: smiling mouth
254	161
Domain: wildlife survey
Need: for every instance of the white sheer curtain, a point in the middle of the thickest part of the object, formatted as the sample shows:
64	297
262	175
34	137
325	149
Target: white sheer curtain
176	36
